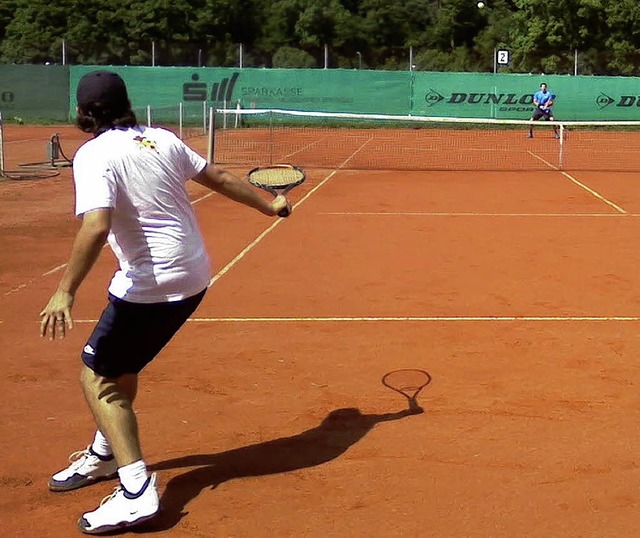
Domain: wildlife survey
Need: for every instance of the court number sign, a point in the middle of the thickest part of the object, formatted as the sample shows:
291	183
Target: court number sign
503	57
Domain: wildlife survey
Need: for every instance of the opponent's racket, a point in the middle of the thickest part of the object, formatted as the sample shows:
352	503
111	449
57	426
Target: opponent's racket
409	383
277	179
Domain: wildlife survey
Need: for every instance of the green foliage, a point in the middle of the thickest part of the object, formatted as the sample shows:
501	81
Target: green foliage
288	57
446	35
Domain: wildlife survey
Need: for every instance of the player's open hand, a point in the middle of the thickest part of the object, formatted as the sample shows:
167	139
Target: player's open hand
56	316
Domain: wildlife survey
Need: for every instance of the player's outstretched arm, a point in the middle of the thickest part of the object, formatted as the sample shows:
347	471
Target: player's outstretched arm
56	315
234	188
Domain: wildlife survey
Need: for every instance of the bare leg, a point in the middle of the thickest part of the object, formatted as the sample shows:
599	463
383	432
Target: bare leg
110	401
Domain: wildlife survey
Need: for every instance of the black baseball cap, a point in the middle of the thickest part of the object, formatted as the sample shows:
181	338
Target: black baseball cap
104	87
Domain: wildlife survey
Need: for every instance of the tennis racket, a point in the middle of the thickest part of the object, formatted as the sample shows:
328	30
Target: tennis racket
409	383
277	179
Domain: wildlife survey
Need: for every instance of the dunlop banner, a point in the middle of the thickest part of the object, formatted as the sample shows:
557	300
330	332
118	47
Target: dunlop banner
479	95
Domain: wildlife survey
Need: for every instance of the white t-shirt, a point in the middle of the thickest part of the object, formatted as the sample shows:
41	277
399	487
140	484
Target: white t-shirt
141	174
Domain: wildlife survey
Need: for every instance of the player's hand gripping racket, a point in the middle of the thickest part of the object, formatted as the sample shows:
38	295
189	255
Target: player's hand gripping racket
409	383
278	179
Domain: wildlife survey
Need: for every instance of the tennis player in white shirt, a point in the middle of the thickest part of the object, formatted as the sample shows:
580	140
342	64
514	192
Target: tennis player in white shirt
130	186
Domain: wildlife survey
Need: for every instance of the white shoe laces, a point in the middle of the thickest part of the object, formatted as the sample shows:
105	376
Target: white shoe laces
77	458
111	495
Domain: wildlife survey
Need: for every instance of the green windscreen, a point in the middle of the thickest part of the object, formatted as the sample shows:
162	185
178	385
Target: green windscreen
34	92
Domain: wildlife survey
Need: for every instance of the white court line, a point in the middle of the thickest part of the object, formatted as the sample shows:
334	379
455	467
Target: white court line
450	214
208	195
54	270
427	319
6	142
580	184
277	223
244	252
305	148
423	318
64	265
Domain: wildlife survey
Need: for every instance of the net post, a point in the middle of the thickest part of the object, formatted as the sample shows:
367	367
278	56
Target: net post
212	136
2	174
204	117
180	119
148	115
224	114
238	121
1	147
271	136
561	158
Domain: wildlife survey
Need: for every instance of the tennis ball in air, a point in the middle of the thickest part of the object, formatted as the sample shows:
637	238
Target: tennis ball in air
480	5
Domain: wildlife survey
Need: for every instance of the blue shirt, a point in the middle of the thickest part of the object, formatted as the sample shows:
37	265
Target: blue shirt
543	98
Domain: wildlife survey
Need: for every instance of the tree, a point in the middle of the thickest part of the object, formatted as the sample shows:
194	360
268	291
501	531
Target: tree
35	32
289	57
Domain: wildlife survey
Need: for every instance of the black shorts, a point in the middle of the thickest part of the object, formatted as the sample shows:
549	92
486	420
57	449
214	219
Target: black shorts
542	114
129	335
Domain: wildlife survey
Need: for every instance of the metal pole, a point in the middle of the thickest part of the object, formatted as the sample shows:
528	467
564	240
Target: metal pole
495	61
411	58
199	57
204	117
153	53
212	135
241	54
575	63
561	156
64	52
359	60
1	147
326	56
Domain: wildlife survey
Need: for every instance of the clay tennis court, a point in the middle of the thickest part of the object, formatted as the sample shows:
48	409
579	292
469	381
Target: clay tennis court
517	291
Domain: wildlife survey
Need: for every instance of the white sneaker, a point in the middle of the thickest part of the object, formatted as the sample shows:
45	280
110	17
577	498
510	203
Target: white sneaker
122	509
86	468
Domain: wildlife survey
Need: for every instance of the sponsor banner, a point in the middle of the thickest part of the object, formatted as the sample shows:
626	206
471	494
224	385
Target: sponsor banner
48	92
34	92
335	90
504	96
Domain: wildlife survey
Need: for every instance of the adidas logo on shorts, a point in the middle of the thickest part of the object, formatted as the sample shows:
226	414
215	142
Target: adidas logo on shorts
89	350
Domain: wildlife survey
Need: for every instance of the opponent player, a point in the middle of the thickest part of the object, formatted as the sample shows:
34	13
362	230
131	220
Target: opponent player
543	101
130	191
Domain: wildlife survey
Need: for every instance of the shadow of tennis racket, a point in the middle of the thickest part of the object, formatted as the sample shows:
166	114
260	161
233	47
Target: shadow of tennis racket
409	382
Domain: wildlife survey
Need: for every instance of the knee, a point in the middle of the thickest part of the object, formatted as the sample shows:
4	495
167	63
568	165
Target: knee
90	381
100	388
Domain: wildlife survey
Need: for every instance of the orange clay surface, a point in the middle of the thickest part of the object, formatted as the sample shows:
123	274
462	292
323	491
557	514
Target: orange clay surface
519	293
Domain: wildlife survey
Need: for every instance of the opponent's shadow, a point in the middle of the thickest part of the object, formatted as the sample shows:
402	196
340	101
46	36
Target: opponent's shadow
340	430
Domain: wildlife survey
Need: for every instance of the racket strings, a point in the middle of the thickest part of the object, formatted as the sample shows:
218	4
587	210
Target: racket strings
277	177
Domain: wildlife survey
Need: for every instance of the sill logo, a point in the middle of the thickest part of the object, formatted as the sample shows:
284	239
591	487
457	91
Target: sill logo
199	91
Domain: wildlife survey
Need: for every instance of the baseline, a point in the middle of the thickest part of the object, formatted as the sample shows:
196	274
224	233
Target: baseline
405	318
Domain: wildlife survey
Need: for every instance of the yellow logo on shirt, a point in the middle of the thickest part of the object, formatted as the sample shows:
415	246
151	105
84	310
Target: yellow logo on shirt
145	143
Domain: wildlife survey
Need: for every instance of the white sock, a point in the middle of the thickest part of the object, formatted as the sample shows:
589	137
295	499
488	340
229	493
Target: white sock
100	445
133	476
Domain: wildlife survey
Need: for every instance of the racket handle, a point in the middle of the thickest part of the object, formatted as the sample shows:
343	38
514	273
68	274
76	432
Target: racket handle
286	210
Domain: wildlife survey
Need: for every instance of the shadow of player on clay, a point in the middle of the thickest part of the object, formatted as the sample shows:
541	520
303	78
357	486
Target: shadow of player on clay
338	431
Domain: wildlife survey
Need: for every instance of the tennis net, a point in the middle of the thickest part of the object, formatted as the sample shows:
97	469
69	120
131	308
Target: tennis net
187	120
381	142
